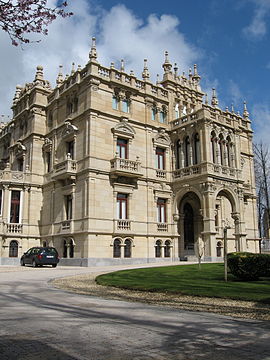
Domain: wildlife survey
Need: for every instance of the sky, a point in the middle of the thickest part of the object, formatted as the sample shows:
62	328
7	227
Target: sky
228	40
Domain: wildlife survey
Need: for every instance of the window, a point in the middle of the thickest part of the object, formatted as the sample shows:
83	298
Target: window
70	149
13	248
127	248
163	116
176	111
213	142
125	105
196	148
158	249
160	158
20	164
154	113
117	248
161	210
48	161
122	206
178	154
15	207
1	198
167	249
65	248
122	148
187	151
115	103
68	206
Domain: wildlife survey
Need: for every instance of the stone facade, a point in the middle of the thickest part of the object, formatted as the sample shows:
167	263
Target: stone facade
112	169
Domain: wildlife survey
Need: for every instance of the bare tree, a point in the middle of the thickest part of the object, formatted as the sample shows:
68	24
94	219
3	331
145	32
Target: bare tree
20	17
262	175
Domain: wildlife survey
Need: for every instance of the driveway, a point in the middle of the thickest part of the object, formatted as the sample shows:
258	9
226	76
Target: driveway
40	322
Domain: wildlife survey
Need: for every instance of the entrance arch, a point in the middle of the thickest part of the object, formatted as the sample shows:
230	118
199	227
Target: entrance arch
190	223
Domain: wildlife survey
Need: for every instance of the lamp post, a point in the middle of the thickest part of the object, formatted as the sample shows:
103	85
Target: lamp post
225	228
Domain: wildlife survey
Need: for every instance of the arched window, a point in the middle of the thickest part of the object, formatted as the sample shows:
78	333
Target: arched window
213	144
154	113
163	115
184	110
187	151
158	249
167	249
117	248
65	249
44	243
219	248
127	248
229	151
178	154
196	149
13	248
221	149
176	111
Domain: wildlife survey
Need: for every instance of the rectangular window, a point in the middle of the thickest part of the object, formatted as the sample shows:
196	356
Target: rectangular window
161	210
154	113
70	149
122	206
20	164
115	103
1	198
48	161
160	158
15	206
122	148
68	205
125	105
162	117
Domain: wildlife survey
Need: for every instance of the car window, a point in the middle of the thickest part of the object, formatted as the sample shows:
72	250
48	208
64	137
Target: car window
49	251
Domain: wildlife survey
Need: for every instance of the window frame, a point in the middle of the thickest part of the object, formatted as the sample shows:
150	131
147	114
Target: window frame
162	211
122	206
160	158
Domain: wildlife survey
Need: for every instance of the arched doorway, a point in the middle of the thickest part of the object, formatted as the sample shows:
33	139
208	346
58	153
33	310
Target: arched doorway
13	248
190	225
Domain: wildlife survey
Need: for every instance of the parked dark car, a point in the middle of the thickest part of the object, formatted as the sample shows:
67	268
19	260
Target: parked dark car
39	256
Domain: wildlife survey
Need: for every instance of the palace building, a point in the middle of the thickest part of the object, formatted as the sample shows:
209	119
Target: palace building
113	169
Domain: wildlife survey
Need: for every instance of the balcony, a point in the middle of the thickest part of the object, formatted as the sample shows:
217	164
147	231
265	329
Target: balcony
161	174
162	227
125	167
207	169
8	175
122	225
64	170
12	228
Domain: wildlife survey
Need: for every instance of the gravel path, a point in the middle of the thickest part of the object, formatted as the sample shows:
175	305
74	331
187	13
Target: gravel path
85	284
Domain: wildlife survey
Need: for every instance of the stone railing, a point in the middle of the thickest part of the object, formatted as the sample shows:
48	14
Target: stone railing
189	170
66	225
122	225
129	167
161	174
64	169
13	228
15	176
162	227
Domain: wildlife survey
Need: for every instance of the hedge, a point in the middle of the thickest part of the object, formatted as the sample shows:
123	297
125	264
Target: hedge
249	266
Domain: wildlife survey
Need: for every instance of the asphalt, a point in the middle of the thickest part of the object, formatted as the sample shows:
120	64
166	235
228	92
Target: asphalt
40	322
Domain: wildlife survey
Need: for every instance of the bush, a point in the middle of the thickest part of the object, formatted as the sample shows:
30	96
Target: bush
249	266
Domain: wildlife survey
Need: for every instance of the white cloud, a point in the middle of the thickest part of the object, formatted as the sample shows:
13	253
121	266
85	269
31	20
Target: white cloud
261	122
235	92
258	26
120	34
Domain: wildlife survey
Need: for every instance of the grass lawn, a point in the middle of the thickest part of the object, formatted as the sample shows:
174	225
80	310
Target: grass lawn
189	280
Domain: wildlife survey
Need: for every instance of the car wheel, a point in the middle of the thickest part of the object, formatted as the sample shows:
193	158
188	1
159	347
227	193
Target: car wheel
34	264
22	263
54	265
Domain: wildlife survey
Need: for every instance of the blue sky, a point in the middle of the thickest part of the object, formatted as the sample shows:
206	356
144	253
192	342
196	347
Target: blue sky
228	39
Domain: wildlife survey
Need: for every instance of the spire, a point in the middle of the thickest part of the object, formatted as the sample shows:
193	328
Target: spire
122	68
157	82
93	51
167	66
60	78
132	73
175	70
17	94
245	112
145	73
190	74
39	74
196	76
206	99
214	101
73	68
112	65
232	108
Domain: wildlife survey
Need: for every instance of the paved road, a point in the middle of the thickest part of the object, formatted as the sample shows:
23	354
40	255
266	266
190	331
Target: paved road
38	322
